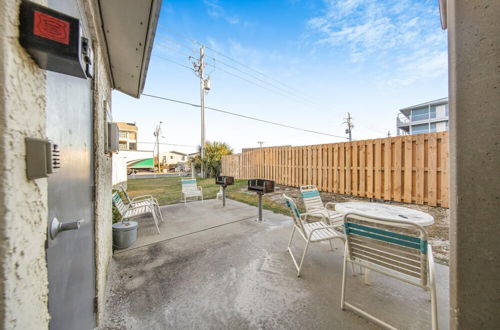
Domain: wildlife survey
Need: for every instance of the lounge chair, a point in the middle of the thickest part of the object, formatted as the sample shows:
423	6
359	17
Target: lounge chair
314	205
131	211
313	232
143	200
398	249
190	189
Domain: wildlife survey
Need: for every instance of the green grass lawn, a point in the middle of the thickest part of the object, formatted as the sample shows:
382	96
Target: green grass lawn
168	191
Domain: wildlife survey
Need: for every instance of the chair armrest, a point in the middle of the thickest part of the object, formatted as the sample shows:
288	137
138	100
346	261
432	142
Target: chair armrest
142	198
304	216
340	235
138	207
330	204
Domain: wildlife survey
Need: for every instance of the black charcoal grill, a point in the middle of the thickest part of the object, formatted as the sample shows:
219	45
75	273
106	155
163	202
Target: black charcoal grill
224	181
261	187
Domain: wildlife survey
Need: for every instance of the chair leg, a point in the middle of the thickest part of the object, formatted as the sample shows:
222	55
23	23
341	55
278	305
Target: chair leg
155	220
291	238
344	270
432	282
158	210
332	246
303	257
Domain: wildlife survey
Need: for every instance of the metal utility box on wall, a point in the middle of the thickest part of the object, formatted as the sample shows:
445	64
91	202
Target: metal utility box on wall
54	40
42	158
113	138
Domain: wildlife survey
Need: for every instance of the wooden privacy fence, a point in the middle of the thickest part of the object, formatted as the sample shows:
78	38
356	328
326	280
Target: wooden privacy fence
411	169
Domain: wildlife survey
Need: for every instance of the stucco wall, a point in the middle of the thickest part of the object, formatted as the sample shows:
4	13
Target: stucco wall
102	161
23	203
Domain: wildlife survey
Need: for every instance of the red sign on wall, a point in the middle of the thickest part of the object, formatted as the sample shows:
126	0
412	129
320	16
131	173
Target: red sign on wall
52	28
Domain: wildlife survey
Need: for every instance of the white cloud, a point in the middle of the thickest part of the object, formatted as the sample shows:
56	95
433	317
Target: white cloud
404	33
215	10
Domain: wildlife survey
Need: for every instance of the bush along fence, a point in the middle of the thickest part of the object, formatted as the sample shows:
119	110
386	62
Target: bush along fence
410	169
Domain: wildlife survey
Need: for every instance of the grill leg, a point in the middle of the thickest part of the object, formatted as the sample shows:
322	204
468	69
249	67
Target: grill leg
260	207
223	196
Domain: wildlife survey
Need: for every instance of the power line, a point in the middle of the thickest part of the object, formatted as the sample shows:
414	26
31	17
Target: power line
244	116
162	45
276	88
298	97
179	44
249	81
172	61
169	144
254	70
233	60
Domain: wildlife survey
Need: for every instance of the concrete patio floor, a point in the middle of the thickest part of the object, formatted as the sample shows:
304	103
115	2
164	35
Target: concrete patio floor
215	268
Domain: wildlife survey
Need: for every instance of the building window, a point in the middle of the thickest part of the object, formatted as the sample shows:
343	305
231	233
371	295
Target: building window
164	159
132	146
433	112
420	114
433	127
123	146
123	135
446	111
183	158
419	129
171	157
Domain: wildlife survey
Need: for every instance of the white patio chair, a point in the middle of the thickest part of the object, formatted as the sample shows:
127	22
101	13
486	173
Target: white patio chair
314	204
130	211
398	249
143	200
313	232
190	189
219	194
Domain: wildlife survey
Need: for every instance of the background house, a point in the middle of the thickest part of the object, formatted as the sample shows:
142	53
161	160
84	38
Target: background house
129	157
127	136
423	118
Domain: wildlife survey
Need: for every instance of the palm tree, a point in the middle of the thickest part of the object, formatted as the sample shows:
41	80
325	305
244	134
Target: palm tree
213	155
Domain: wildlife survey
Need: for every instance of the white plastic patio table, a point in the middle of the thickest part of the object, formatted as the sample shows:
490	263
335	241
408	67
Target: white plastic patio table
391	212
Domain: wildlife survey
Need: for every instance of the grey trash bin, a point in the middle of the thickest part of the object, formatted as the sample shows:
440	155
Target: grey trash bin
124	234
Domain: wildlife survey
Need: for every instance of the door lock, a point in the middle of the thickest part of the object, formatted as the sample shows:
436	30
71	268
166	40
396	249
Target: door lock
56	226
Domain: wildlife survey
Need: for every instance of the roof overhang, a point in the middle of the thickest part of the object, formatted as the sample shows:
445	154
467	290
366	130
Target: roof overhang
129	27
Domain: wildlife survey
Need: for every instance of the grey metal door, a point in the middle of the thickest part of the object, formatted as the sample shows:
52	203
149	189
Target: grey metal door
70	256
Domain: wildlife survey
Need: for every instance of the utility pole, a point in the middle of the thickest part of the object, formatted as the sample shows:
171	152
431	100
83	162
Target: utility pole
199	68
388	133
157	133
260	143
350	126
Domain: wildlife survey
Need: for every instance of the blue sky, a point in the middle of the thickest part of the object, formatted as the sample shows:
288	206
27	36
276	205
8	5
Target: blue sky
320	58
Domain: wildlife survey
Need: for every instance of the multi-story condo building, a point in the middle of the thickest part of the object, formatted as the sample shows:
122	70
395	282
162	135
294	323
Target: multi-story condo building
423	118
128	136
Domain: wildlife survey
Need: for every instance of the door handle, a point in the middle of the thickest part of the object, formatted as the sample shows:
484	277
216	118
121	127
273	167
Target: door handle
56	226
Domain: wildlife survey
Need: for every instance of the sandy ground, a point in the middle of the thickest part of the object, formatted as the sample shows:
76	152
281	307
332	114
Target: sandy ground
438	232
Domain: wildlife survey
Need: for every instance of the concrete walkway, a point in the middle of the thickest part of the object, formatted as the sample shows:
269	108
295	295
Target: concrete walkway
215	268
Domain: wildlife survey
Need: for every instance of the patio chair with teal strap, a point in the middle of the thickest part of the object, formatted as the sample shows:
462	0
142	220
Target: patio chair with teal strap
312	232
314	204
131	211
398	249
191	189
143	200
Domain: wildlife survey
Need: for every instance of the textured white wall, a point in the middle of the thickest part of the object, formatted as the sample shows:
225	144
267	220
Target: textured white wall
23	203
103	162
23	208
